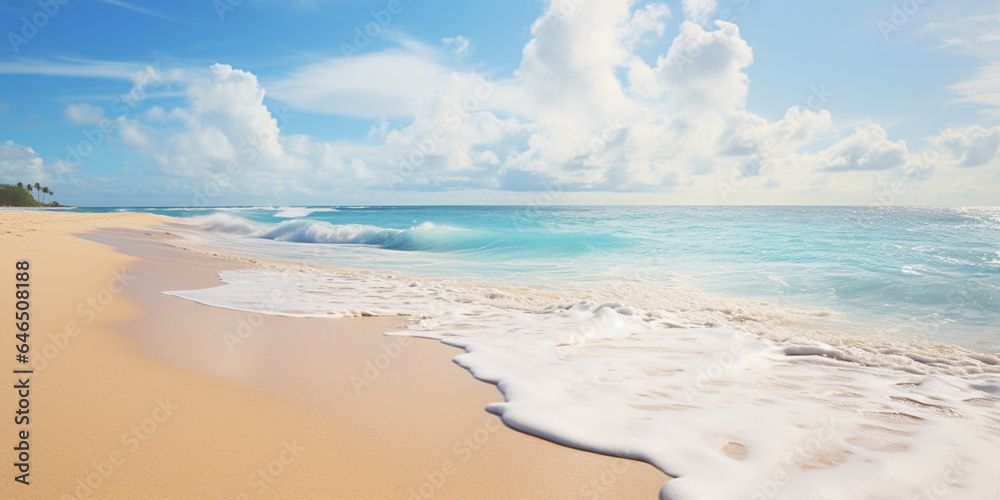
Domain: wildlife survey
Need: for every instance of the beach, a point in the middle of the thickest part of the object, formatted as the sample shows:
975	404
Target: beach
137	394
502	352
553	249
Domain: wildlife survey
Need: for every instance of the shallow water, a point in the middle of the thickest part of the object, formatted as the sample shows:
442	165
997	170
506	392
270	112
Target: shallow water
750	352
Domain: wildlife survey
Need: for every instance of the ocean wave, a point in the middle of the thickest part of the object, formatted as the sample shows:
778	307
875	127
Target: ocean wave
196	209
656	385
425	237
298	212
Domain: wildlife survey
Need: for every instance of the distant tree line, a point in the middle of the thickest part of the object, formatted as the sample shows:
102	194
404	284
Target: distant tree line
30	195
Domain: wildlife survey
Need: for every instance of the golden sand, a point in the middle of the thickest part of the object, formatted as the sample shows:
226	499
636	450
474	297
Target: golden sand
137	394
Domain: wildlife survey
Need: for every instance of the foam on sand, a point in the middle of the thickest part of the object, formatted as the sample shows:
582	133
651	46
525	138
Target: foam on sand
729	413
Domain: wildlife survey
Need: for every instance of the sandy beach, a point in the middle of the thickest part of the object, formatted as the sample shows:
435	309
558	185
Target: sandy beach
137	394
548	249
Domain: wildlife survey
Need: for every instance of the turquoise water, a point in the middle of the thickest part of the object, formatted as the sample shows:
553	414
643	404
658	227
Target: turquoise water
666	334
922	273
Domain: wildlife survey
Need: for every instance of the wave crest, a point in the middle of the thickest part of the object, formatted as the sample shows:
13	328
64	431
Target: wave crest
426	237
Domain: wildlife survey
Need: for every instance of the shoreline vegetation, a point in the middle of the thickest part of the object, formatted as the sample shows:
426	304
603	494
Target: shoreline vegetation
30	195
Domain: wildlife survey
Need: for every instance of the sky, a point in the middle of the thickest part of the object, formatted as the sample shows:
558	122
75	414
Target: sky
529	102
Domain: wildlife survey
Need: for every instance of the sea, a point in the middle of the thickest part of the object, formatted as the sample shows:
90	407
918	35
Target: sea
748	352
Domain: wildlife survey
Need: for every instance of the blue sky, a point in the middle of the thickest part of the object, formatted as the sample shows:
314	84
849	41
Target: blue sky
502	101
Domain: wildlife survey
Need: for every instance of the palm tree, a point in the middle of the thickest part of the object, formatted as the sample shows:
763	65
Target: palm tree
20	185
29	189
47	191
38	191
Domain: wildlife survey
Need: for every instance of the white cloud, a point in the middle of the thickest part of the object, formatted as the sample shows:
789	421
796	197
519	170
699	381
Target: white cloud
136	134
972	146
698	11
705	70
20	164
223	121
225	131
84	114
460	45
567	117
748	134
136	8
85	68
650	19
983	88
582	112
975	33
979	36
372	85
568	68
867	149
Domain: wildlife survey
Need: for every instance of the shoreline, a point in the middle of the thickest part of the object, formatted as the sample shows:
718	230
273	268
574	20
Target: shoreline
241	406
700	403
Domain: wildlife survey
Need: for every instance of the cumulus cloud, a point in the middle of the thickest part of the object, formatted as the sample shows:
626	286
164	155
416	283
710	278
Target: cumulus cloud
566	116
705	70
972	146
582	112
20	163
698	11
223	121
650	19
869	148
225	136
749	134
568	68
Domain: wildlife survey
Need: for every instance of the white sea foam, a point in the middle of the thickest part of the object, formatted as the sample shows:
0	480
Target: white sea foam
302	231
423	237
296	212
729	413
